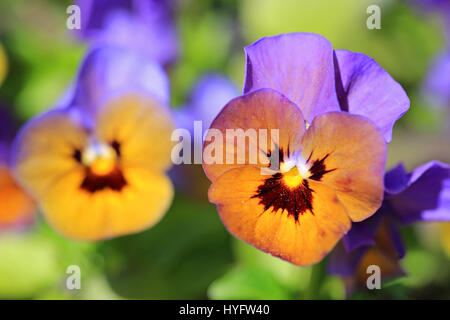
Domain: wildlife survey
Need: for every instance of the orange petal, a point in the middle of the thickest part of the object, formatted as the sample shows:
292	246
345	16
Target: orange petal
261	109
348	154
273	229
17	207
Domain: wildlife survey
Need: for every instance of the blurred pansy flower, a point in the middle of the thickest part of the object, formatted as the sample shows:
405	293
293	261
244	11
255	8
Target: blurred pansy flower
422	195
437	83
441	7
143	25
97	166
209	95
17	208
305	68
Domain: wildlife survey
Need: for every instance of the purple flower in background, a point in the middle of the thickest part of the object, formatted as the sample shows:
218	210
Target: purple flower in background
208	97
437	84
305	68
110	72
143	25
103	157
419	196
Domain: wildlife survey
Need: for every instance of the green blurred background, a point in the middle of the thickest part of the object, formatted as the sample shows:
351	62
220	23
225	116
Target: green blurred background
189	254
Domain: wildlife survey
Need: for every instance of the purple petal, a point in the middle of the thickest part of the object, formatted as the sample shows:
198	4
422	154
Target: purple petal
146	26
95	13
211	93
427	195
298	65
437	83
363	233
8	130
110	72
343	263
397	240
396	180
364	88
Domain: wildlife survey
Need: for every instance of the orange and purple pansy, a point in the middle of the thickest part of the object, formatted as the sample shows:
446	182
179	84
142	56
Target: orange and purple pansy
334	111
97	166
420	196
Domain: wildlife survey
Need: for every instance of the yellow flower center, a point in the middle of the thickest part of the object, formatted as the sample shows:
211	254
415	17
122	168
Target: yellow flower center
100	158
292	178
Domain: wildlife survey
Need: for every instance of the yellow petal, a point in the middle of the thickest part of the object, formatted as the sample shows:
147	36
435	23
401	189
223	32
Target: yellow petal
142	127
79	214
45	151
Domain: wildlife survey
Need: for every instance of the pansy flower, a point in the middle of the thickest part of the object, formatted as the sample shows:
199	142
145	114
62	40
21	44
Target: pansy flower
143	25
17	208
420	196
333	111
97	166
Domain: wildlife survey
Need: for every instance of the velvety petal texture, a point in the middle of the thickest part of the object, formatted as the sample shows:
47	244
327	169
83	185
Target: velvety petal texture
299	65
305	68
263	109
275	230
354	153
366	89
324	177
